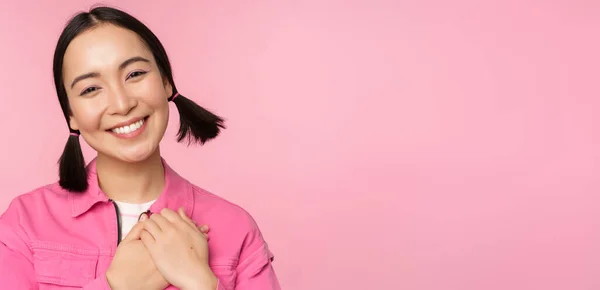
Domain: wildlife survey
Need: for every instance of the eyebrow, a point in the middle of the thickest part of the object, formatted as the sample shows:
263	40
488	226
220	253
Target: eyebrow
121	67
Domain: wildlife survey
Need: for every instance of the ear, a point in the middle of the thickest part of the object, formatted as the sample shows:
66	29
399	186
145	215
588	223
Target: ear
168	87
73	123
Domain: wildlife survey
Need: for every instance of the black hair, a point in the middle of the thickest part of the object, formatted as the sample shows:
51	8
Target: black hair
197	125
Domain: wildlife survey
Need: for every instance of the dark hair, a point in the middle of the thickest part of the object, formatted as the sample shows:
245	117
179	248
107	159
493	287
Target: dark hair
197	125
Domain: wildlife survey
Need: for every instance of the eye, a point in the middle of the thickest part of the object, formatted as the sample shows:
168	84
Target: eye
136	74
88	90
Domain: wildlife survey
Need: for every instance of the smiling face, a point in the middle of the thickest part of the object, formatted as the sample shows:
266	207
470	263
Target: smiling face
117	95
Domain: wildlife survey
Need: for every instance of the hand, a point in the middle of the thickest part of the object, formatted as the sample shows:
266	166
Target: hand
132	267
179	250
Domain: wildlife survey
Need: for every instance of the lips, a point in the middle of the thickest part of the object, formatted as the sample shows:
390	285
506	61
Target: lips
128	127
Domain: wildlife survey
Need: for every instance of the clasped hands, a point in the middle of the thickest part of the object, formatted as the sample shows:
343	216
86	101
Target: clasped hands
166	248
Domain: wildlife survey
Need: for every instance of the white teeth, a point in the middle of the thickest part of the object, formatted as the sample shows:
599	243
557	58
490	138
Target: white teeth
129	128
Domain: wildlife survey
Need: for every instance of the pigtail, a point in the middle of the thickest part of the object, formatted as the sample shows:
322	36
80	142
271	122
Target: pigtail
196	124
72	172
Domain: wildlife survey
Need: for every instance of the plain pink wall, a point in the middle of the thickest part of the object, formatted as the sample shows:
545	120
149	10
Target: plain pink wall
379	144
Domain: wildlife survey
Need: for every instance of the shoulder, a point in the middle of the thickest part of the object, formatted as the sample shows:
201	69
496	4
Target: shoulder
35	202
229	223
211	205
21	210
233	231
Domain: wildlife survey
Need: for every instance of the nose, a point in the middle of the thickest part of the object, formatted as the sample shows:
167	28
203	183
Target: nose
120	103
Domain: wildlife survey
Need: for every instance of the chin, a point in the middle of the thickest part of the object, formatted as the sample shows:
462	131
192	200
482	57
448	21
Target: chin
134	159
137	154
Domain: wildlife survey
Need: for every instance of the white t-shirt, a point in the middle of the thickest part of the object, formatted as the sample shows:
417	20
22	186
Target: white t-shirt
130	212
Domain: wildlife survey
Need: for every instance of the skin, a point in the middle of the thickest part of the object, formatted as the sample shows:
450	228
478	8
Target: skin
111	77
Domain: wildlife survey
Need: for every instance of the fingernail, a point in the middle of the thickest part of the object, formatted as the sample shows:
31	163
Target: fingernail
143	217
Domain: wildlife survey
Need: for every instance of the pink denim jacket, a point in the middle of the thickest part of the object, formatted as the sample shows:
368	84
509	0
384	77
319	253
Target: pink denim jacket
53	239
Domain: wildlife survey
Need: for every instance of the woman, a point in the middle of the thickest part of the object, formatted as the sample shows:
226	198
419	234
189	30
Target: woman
114	82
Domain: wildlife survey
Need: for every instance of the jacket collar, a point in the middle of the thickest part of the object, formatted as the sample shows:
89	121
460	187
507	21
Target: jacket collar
178	193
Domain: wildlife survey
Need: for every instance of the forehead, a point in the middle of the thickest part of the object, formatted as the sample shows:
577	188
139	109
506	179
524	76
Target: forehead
102	47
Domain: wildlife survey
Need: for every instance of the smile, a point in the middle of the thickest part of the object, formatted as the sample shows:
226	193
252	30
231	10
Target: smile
130	129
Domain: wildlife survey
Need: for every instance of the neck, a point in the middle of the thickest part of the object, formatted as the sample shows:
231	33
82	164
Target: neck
137	182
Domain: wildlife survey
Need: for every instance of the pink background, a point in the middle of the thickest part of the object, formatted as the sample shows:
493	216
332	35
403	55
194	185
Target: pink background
379	144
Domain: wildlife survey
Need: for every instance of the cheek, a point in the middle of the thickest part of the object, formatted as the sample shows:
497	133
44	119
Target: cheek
155	100
153	94
87	115
161	113
153	91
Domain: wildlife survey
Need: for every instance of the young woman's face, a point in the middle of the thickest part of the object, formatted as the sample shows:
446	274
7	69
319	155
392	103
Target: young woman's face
117	95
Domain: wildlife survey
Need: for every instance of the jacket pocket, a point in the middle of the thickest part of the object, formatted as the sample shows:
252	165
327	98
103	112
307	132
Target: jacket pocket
225	270
63	265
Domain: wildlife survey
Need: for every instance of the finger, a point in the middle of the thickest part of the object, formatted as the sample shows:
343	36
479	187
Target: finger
204	229
151	227
185	222
143	216
170	215
161	221
134	233
188	220
175	219
183	215
147	239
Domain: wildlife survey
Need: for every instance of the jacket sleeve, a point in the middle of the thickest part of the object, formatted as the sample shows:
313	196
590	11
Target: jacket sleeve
17	271
16	258
255	270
